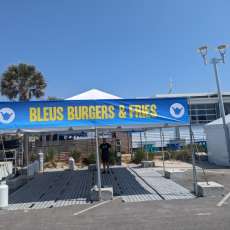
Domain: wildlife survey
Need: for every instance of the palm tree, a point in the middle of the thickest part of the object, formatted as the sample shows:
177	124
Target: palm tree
22	82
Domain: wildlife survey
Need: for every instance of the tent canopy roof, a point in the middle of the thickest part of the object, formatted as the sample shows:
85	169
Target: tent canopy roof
93	94
121	128
219	121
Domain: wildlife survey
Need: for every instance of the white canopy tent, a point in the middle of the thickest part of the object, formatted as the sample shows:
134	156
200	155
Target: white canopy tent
93	94
217	149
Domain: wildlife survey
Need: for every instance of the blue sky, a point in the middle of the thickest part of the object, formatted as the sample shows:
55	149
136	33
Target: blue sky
130	48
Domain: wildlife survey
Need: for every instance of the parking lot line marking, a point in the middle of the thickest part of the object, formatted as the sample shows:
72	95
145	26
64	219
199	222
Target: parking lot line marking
223	200
203	214
94	206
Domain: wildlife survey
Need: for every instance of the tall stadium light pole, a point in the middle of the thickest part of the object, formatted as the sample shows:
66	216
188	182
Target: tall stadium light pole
214	61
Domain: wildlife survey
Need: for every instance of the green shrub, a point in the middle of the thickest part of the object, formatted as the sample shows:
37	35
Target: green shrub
33	157
139	156
76	155
167	155
150	156
200	148
183	155
112	158
50	156
91	159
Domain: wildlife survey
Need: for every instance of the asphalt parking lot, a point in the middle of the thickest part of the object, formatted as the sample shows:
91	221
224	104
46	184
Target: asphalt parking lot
197	213
201	213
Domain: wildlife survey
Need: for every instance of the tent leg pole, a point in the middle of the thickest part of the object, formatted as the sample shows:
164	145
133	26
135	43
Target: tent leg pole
147	152
141	143
26	149
162	149
193	161
98	165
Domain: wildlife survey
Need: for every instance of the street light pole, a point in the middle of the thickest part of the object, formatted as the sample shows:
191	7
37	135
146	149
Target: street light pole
214	62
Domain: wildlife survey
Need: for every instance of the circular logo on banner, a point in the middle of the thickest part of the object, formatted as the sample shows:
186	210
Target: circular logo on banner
177	110
7	115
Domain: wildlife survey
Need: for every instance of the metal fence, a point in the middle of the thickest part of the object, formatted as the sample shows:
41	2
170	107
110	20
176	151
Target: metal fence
33	168
170	137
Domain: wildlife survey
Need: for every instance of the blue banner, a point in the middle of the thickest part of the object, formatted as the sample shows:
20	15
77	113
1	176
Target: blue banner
83	113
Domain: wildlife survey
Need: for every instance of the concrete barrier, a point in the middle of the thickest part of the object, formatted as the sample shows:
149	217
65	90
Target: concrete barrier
174	173
147	164
106	193
210	189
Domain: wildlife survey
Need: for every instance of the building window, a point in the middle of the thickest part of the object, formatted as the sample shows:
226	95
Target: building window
204	113
227	108
118	145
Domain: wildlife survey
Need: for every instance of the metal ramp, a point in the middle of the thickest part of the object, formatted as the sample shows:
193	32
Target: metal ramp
168	189
63	188
53	189
132	188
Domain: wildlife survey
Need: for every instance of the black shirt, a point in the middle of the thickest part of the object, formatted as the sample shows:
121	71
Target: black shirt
105	148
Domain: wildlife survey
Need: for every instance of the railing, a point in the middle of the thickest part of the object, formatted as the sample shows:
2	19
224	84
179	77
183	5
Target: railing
5	169
33	168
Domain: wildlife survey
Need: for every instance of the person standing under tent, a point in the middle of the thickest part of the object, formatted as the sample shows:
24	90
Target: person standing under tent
105	155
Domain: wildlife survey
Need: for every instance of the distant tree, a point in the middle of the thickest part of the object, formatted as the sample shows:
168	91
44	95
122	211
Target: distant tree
22	82
52	98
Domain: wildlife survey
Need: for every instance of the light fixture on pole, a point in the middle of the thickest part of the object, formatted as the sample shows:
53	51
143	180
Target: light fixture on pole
203	50
222	51
214	61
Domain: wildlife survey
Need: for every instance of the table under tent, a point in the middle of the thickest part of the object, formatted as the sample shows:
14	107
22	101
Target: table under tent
105	115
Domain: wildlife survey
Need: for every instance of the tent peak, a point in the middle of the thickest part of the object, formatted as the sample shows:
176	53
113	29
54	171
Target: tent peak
93	94
219	121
